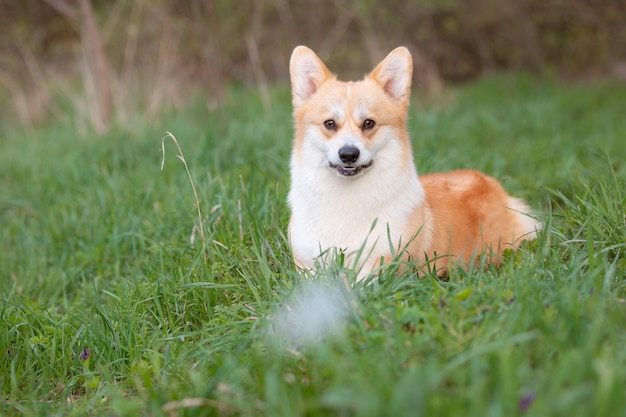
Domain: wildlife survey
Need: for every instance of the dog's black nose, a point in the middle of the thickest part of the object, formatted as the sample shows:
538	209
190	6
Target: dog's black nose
349	154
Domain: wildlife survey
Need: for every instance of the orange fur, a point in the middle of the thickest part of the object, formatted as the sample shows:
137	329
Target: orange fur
468	214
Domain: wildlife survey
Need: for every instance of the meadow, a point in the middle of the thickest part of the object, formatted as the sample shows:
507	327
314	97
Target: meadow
122	294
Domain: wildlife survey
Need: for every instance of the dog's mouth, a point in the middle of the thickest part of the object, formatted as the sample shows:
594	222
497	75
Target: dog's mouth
349	170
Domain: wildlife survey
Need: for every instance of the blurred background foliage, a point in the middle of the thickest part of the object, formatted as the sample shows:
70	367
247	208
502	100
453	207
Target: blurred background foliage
99	61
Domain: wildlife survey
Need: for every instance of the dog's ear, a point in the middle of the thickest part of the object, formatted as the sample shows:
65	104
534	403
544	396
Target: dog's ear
394	74
307	73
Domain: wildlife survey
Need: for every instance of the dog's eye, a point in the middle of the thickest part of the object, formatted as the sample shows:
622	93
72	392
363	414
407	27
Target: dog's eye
330	124
368	124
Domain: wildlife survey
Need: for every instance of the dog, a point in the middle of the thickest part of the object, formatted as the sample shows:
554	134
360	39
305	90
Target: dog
354	187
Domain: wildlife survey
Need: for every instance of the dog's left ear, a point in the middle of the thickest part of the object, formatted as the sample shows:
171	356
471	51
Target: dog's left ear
394	74
307	73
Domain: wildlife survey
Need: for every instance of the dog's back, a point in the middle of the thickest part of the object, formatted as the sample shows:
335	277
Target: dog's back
472	215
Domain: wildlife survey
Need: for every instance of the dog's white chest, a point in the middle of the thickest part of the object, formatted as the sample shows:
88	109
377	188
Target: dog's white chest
364	218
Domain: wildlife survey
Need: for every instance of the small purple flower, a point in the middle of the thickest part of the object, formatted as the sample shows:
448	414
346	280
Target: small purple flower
85	354
442	303
526	401
9	353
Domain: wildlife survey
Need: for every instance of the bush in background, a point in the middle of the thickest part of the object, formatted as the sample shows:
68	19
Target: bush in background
57	61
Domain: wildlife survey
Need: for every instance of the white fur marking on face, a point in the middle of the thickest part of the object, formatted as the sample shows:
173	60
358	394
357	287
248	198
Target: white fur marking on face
337	114
360	114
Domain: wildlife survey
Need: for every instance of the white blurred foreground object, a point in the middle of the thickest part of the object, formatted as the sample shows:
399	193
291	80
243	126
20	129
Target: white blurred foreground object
314	312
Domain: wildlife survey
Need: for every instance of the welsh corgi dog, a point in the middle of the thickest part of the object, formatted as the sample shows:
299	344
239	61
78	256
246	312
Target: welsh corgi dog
355	190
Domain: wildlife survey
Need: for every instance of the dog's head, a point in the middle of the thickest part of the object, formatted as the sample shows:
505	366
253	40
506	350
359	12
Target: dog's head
346	124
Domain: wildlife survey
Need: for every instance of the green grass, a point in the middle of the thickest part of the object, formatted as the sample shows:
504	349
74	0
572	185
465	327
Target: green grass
107	308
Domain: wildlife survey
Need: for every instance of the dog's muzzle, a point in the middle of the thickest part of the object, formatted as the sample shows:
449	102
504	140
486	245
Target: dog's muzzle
349	154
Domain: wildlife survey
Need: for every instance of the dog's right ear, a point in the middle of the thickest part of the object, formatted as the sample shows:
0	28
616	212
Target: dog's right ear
307	73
